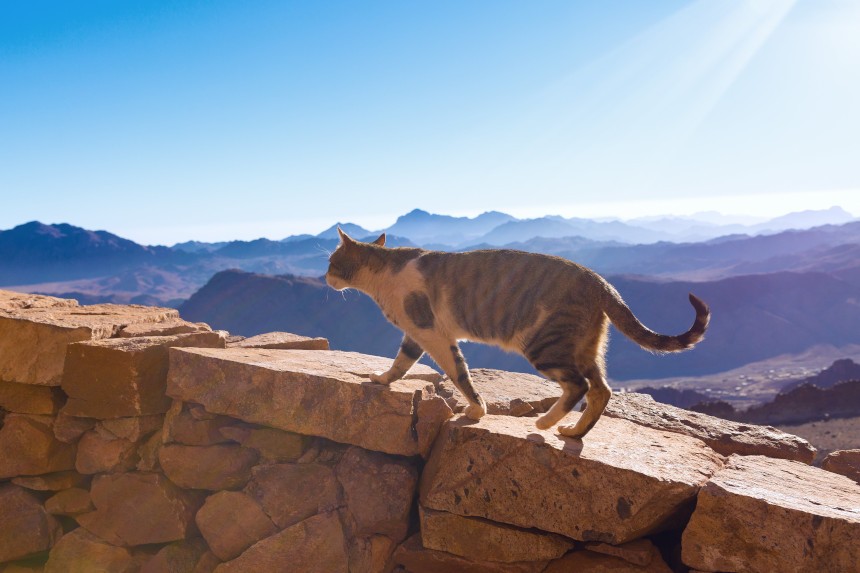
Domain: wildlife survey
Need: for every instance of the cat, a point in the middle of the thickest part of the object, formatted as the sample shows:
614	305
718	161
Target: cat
552	311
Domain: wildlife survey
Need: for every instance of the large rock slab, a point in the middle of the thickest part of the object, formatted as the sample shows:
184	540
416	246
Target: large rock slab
724	436
11	300
166	328
122	377
413	557
284	341
481	540
506	393
763	515
139	509
315	393
28	447
25	527
315	545
33	341
844	462
621	482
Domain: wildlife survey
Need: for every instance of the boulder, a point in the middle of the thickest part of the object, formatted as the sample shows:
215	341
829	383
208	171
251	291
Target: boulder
176	557
30	399
581	561
482	540
166	328
33	341
283	341
73	501
25	527
181	425
315	393
51	482
139	508
122	377
724	436
378	490
69	429
231	522
370	554
315	545
620	483
506	393
274	446
762	515
224	466
844	462
133	429
101	452
82	552
412	556
28	447
290	493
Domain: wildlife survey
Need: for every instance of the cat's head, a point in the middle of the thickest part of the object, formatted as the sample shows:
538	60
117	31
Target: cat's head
350	261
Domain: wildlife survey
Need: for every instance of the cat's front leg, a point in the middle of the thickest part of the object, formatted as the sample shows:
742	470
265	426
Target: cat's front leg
409	353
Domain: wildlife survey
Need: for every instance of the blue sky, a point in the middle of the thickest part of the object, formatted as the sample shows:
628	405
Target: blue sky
213	120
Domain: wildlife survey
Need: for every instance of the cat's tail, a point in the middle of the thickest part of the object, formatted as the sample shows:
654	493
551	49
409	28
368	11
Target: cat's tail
625	321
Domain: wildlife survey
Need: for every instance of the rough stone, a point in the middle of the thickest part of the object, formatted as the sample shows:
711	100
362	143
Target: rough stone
166	328
231	522
100	452
290	493
207	563
622	482
638	552
25	527
274	446
28	447
481	540
176	557
283	341
378	491
148	453
72	502
134	428
506	393
51	482
762	515
580	561
122	377
82	552
181	425
69	429
844	462
412	556
14	301
207	467
724	436
30	399
33	341
138	509
370	554
315	545
325	394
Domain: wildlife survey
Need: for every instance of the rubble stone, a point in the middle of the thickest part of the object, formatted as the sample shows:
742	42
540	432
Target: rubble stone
231	522
414	558
207	467
283	341
25	527
30	399
290	493
844	462
28	447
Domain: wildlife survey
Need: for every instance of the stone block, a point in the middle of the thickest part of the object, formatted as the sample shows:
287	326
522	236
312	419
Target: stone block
506	393
33	341
30	399
843	462
620	483
101	452
181	425
231	522
413	557
71	502
581	561
82	552
283	341
123	377
325	394
25	527
166	328
224	466
762	515
274	446
28	447
290	493
52	482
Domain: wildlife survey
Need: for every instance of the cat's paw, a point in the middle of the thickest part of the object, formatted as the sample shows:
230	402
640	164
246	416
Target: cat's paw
380	378
475	411
571	431
543	424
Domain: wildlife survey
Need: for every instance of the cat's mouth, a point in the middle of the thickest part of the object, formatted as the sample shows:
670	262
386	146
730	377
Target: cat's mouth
335	282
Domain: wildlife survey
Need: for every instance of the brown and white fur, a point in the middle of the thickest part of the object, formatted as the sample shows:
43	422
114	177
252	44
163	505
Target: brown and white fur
550	310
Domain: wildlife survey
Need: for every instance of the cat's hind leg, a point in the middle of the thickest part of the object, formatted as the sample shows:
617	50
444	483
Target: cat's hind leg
450	359
596	399
409	353
573	386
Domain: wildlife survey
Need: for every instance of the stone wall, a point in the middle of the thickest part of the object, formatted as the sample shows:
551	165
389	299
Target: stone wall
133	441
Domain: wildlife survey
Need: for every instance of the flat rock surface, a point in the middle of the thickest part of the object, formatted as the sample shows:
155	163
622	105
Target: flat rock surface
621	482
724	436
165	328
11	300
33	340
506	393
284	341
325	394
844	462
763	515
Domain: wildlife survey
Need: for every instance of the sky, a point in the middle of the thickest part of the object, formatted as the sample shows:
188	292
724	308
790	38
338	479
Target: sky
216	120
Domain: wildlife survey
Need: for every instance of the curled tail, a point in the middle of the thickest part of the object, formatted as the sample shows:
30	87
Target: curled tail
624	320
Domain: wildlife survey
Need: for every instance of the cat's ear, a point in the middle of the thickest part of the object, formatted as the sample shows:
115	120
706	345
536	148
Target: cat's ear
380	241
344	238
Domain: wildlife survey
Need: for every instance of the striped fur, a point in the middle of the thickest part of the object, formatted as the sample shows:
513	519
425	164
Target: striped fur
552	311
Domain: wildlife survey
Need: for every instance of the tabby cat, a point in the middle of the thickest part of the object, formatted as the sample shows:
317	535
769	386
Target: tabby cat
550	310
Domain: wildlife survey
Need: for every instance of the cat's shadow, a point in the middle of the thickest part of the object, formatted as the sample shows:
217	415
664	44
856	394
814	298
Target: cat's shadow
571	445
